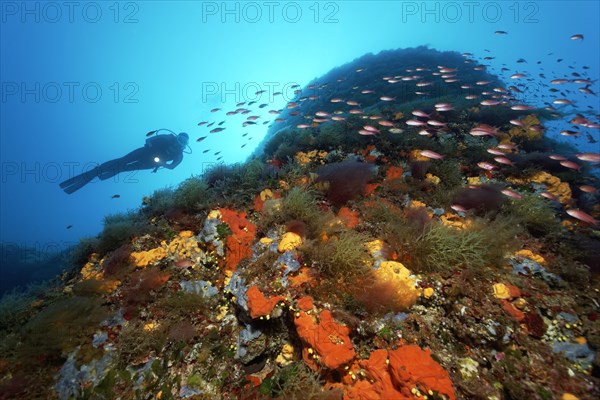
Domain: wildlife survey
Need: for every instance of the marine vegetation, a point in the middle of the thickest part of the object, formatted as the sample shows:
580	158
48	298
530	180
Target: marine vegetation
121	228
535	214
342	255
297	205
61	327
344	180
192	195
394	237
482	244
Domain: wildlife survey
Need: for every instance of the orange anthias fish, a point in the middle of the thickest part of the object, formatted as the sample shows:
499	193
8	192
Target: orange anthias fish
582	216
185	263
431	154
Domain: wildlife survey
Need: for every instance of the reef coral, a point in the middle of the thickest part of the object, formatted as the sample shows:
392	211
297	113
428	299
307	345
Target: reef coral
551	183
327	343
258	304
336	264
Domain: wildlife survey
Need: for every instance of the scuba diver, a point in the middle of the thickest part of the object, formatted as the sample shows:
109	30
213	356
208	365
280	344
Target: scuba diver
158	150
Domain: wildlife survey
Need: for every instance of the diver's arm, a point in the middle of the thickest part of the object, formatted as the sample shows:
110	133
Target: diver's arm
175	162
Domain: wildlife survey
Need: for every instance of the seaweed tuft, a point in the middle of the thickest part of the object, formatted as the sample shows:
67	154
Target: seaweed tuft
484	244
535	214
341	256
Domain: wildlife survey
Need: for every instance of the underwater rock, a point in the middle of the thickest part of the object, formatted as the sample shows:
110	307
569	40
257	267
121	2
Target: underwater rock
73	378
99	339
140	373
210	234
289	262
525	266
568	317
268	242
493	342
290	265
237	287
251	344
114	320
187	391
579	353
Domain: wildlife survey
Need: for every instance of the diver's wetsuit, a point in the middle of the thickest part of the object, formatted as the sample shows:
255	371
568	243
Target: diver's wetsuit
155	153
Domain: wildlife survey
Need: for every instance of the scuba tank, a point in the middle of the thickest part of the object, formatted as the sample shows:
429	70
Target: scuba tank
187	149
149	143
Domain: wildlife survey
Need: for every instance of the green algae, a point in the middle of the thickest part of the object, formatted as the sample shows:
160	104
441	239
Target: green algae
121	228
61	327
298	204
535	214
295	382
192	195
341	256
444	248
